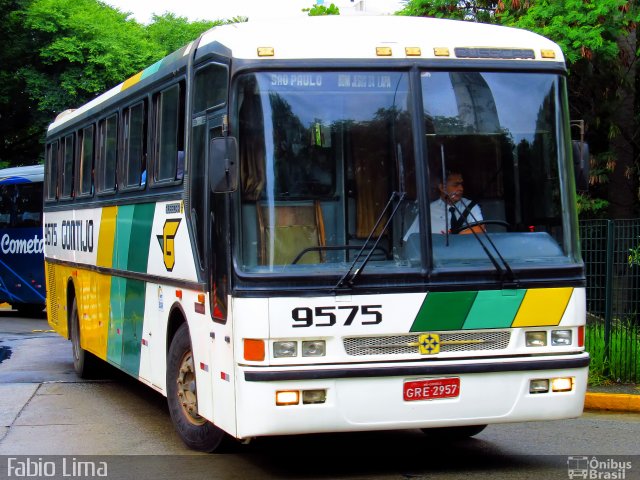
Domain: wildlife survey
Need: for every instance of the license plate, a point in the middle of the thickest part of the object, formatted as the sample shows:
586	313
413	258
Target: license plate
432	389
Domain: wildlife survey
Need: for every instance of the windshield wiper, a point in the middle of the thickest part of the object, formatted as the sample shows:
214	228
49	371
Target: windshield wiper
509	279
349	278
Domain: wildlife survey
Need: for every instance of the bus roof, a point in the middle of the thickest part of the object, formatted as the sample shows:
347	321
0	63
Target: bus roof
352	37
28	174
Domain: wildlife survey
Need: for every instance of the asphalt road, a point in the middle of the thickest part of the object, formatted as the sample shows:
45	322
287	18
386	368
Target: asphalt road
47	413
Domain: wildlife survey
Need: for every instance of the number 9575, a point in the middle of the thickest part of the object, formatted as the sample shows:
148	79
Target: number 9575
330	316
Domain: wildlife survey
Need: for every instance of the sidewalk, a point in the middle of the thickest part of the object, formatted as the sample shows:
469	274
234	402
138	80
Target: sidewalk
614	397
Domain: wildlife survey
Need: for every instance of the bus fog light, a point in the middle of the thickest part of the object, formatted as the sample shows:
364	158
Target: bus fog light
539	385
561	338
562	384
287	397
285	349
536	339
314	348
314	396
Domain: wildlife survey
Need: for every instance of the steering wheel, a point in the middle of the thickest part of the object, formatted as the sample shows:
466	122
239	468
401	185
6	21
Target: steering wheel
470	226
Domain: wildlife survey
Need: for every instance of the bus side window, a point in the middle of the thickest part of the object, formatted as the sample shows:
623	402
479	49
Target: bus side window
6	205
85	183
134	170
28	207
210	85
106	154
53	152
169	134
68	157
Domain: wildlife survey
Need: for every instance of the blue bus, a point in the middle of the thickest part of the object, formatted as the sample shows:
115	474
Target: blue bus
21	246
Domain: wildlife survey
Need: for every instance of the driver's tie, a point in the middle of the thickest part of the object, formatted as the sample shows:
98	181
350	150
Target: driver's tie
454	219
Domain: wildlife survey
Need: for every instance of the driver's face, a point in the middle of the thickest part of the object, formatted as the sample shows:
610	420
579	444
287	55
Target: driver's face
453	190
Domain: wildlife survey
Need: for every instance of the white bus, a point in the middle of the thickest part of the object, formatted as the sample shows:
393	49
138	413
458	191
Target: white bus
245	226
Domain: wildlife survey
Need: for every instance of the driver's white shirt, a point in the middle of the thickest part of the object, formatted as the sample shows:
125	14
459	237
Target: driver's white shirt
441	217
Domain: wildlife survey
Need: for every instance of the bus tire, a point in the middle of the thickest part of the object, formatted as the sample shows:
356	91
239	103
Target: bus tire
453	433
84	363
196	431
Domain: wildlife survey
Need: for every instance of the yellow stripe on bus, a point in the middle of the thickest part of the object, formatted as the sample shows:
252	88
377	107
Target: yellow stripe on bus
542	307
107	237
132	81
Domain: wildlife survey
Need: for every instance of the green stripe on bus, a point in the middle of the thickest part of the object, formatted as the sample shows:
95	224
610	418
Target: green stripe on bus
494	309
123	237
116	320
139	240
443	311
133	320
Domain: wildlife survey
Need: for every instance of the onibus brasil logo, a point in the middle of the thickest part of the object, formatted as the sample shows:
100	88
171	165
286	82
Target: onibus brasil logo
596	468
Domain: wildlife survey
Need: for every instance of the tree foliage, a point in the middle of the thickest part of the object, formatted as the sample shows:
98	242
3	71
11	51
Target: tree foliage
598	38
63	53
320	10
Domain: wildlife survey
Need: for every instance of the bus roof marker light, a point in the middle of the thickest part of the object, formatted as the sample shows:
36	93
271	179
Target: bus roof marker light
412	51
547	53
441	52
266	51
384	51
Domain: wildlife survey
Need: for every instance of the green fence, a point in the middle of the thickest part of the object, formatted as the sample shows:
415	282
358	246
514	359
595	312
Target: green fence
613	299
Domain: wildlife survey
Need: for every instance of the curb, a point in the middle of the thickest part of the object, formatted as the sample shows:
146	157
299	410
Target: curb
606	401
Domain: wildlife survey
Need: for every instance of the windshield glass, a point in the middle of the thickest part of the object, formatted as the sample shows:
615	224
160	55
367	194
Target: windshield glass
321	154
327	161
493	143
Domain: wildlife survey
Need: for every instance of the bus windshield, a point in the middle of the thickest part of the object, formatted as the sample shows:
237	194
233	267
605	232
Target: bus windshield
330	173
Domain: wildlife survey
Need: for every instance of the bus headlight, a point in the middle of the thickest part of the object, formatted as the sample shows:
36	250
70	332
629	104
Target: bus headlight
314	348
539	385
535	339
560	338
285	349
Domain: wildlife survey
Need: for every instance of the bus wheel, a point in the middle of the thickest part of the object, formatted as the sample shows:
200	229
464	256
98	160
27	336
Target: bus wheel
84	363
453	433
196	431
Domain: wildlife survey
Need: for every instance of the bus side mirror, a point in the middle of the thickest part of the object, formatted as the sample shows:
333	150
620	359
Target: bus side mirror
223	164
581	164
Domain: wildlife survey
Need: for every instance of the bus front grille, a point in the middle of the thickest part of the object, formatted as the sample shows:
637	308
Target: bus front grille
449	342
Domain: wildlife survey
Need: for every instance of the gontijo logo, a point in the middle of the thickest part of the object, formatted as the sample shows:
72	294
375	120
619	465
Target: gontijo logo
167	242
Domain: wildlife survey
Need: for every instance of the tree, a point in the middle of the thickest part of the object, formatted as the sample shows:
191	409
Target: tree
63	53
320	10
17	131
173	32
598	39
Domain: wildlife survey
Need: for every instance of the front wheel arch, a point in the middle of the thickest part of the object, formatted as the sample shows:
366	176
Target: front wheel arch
196	431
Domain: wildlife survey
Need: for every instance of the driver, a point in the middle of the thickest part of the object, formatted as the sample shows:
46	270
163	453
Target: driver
452	212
